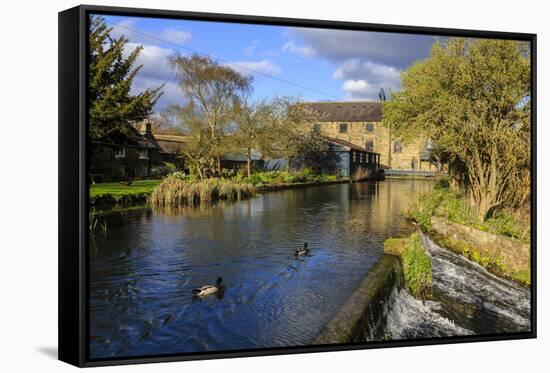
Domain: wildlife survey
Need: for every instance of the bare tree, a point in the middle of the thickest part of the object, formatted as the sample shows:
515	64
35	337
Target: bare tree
255	129
211	91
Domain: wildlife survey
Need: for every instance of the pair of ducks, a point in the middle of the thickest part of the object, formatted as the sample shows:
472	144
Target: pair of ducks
213	289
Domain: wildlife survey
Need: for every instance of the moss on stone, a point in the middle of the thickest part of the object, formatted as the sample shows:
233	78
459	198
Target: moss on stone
396	246
490	263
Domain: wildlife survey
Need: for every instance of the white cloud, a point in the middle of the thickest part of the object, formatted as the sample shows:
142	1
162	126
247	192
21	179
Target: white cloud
252	67
364	61
363	79
302	50
356	68
127	26
154	60
171	92
175	35
251	49
385	48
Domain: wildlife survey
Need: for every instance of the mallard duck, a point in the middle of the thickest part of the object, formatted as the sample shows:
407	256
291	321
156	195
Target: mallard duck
303	251
208	289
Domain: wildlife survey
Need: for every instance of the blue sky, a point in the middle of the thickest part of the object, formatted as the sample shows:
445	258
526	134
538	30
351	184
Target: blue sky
334	64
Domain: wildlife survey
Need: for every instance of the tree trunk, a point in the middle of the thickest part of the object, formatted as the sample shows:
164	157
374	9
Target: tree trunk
249	163
219	164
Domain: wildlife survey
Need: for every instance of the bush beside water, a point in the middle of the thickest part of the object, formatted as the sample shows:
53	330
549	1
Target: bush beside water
180	190
307	175
456	208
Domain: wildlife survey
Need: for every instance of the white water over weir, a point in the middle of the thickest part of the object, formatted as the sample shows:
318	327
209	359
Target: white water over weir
467	300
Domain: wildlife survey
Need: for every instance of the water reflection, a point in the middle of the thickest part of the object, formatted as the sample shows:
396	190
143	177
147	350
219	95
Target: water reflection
142	272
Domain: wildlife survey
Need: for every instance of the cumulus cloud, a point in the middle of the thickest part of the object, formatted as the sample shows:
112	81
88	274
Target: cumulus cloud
154	60
364	61
392	49
253	67
171	92
175	35
302	50
126	27
155	72
363	79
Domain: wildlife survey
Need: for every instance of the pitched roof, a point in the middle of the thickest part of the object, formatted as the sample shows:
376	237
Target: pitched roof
171	143
359	111
348	144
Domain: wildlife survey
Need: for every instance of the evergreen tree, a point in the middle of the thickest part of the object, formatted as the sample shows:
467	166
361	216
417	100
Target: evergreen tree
112	108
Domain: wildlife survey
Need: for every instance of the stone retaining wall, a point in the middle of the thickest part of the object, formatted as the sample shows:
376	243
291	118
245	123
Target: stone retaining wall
363	313
513	254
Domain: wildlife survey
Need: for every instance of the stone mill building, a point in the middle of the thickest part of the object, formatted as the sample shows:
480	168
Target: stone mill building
360	123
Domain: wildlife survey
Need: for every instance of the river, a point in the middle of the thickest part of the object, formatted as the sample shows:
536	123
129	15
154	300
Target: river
467	300
142	270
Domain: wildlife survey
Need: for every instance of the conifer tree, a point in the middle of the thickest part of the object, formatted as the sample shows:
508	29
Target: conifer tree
113	108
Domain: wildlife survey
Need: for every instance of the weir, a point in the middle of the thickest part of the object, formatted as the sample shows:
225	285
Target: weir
467	300
363	313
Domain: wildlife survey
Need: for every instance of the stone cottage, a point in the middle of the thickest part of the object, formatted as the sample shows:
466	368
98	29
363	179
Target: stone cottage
137	153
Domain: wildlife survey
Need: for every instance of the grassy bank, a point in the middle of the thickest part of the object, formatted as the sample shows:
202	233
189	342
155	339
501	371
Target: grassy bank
119	194
188	190
181	191
417	265
450	205
512	226
267	178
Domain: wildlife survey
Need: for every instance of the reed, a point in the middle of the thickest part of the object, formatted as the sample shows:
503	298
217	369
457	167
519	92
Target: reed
174	191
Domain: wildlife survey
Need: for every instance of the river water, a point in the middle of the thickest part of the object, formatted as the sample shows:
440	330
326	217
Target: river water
467	300
143	269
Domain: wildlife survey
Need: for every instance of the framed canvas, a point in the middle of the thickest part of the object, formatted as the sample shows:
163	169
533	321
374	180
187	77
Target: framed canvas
235	186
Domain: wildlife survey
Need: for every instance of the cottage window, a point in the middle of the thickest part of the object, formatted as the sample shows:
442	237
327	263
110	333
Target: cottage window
398	147
369	127
143	154
360	157
369	145
120	152
343	127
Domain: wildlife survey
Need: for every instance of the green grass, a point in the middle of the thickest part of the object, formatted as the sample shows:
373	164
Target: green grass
285	177
450	205
117	189
417	264
116	194
417	269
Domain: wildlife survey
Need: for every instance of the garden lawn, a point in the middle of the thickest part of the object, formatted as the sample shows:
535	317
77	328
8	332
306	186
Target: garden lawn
138	187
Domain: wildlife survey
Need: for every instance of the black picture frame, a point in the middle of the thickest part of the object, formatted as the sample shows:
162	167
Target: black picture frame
73	187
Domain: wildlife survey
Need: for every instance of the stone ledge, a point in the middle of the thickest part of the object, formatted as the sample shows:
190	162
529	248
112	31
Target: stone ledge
513	254
363	312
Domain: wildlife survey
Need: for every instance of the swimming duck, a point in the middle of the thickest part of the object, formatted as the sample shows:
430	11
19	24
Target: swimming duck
208	289
303	251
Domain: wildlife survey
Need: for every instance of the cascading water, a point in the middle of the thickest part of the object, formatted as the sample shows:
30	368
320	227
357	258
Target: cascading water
467	300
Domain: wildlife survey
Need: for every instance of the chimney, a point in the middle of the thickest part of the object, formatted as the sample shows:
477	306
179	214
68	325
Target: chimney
148	131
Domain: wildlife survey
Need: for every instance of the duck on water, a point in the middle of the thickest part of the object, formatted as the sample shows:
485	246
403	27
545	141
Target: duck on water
208	289
301	252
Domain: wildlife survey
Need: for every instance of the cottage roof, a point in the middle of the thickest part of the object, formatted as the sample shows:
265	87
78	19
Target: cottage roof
348	144
171	143
354	111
